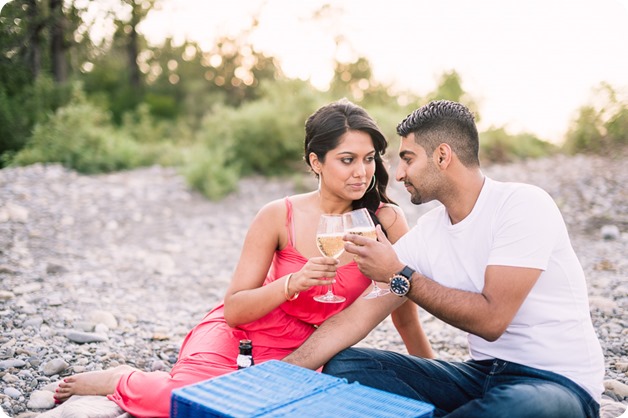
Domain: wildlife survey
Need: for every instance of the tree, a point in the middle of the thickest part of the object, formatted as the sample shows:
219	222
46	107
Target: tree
450	88
58	28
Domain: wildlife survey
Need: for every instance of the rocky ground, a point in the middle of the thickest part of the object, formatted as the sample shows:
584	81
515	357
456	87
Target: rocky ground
97	271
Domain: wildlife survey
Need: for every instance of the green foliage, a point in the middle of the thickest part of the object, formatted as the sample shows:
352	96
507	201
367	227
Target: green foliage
217	113
450	88
497	146
266	135
20	111
82	137
601	127
211	171
263	136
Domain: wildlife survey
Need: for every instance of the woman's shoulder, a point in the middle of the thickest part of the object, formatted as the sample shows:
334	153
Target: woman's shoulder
389	210
279	207
392	218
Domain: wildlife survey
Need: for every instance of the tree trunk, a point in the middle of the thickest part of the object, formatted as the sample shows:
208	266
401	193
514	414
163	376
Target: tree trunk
133	47
34	42
57	44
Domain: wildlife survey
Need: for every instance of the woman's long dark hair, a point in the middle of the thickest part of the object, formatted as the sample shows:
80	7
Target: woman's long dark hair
323	130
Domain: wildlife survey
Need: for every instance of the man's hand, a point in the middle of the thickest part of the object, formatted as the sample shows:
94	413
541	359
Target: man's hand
376	259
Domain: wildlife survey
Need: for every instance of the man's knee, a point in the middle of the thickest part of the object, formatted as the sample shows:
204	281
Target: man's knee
345	362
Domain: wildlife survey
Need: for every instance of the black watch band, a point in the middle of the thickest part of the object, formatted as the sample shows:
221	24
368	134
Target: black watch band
407	272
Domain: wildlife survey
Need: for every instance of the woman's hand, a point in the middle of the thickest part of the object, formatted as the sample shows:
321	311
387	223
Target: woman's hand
318	271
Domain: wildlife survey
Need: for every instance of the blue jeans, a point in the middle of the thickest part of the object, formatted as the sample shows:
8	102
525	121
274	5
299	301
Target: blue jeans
489	388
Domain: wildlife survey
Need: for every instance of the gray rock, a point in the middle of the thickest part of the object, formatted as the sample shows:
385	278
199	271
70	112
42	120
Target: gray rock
85	337
54	366
155	257
7	364
12	392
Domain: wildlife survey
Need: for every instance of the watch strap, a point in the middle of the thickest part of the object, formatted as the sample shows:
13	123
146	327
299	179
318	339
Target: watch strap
407	272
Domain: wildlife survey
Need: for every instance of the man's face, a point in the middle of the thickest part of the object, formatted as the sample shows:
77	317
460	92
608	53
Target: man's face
417	171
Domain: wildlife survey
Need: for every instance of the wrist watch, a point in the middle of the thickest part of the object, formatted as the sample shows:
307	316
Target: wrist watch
401	282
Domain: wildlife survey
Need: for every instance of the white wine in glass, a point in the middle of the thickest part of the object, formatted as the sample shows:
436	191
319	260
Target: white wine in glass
329	241
359	222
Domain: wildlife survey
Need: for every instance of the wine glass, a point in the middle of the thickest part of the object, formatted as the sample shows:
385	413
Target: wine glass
330	243
359	222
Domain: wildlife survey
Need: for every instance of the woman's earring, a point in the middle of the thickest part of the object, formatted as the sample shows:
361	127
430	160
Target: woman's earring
372	185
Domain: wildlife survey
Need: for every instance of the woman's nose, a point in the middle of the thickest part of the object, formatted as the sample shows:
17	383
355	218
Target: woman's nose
360	170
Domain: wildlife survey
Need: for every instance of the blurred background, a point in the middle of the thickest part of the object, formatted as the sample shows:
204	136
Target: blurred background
221	89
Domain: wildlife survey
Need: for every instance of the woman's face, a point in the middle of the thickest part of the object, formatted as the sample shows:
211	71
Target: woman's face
348	168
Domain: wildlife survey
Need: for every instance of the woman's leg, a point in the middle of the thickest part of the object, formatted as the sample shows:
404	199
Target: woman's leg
102	382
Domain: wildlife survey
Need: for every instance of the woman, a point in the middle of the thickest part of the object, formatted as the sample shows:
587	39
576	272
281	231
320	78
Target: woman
270	298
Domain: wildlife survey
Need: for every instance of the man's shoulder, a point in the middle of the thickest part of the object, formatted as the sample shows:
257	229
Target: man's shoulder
503	190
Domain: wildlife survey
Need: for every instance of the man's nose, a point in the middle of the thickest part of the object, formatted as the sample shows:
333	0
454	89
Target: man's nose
400	173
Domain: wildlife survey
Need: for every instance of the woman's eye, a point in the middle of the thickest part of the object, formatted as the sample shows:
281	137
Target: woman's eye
347	160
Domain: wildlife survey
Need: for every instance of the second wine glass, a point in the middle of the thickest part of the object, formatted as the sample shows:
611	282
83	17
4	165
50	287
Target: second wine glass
329	241
359	222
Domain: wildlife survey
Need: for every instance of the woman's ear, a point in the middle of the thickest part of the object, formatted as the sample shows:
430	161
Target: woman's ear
314	162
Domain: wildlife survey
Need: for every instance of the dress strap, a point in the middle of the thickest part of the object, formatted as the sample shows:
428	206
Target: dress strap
289	223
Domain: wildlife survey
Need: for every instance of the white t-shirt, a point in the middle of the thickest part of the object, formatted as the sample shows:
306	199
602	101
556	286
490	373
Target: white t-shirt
515	224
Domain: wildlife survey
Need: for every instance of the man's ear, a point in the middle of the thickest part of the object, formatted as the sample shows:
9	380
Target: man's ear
442	155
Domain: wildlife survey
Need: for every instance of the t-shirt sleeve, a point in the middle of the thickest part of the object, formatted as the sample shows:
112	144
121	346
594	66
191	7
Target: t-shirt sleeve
403	250
525	229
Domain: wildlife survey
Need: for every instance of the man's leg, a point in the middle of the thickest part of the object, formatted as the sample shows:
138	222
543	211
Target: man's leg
519	391
524	400
445	385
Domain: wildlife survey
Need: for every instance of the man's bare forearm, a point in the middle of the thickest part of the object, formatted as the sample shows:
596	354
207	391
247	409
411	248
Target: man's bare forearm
342	330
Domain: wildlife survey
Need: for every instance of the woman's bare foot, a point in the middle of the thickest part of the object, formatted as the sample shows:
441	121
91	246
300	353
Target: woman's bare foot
102	382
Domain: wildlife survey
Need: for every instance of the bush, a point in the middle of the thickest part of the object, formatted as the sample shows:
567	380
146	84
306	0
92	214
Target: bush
207	170
81	137
19	112
497	146
265	135
601	127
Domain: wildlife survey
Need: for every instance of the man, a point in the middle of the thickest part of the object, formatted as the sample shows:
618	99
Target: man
494	260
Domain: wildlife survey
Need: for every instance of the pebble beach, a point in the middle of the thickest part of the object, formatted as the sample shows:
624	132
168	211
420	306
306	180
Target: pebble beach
102	270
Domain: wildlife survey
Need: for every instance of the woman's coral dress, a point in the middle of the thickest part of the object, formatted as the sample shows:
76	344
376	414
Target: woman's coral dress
210	349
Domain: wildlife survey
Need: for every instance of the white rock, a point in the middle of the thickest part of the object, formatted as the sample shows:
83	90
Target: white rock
17	213
616	387
103	317
610	232
41	399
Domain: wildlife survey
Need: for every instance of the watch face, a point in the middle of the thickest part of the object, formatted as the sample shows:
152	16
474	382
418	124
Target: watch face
399	285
